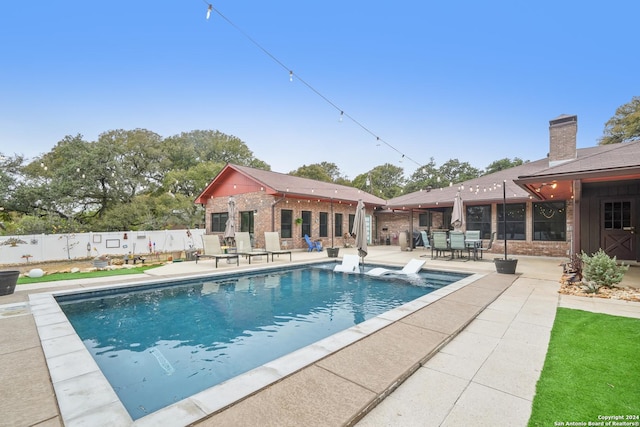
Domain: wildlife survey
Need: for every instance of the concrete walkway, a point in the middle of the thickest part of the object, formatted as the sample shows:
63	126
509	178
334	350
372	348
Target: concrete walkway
485	375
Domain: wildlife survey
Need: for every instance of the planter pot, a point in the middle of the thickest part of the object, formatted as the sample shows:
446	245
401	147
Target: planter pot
98	263
8	281
333	252
505	266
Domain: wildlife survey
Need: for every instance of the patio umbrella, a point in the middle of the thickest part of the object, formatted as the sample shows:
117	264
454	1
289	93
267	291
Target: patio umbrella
457	216
230	226
360	230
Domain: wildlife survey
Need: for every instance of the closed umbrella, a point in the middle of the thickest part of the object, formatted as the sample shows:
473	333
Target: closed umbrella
360	230
457	216
230	226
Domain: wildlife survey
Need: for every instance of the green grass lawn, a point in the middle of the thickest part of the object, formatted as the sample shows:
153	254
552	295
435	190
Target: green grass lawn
84	275
592	369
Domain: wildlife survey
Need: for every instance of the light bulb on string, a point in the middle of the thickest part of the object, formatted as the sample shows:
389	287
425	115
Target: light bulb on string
341	116
209	9
290	76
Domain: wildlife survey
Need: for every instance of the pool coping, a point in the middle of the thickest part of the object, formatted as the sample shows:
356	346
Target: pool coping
85	397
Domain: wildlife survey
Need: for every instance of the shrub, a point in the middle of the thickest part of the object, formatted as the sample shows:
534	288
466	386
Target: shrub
601	269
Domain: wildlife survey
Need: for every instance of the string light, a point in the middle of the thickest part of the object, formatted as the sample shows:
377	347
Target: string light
314	90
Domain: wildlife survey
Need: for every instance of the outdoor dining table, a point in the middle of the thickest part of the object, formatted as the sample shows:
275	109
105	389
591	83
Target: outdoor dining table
472	245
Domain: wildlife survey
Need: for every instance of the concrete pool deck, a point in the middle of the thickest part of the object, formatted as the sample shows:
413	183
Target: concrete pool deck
472	357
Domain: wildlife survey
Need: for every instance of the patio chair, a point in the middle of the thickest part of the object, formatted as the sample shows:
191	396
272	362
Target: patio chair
439	244
412	267
472	235
457	243
243	246
212	249
350	264
272	244
472	240
313	245
480	249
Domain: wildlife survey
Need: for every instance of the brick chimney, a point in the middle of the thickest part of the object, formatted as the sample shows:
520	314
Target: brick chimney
563	131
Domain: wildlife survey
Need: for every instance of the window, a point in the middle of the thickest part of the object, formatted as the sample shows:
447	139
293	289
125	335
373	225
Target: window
286	223
219	221
515	221
337	226
424	220
246	221
549	221
324	224
617	215
352	219
479	218
306	223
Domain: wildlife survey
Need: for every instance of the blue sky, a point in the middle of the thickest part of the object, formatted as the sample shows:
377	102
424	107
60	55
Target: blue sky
476	81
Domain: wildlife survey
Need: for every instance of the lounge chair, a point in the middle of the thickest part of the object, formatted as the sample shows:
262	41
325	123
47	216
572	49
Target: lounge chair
425	240
212	249
243	246
317	245
350	264
272	244
412	267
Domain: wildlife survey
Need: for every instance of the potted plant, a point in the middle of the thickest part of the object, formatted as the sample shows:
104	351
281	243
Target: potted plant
346	238
101	261
333	252
505	265
8	281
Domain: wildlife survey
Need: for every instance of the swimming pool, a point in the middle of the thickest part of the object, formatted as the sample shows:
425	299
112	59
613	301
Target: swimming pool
160	344
85	397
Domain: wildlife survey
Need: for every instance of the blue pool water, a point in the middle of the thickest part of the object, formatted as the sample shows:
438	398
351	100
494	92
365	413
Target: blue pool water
158	345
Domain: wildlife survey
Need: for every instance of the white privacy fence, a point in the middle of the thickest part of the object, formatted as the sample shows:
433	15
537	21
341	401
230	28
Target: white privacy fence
58	247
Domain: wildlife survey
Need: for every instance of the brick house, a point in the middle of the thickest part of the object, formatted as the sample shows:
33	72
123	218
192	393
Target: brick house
290	205
573	200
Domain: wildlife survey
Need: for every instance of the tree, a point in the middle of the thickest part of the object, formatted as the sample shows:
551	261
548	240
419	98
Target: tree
385	181
189	148
313	171
127	179
323	171
424	178
624	126
454	171
502	164
9	180
190	182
